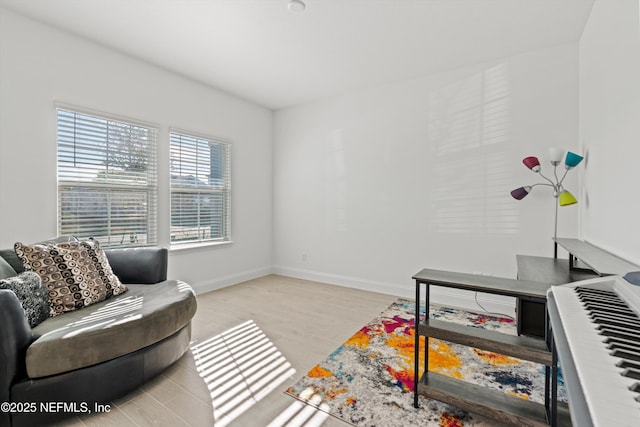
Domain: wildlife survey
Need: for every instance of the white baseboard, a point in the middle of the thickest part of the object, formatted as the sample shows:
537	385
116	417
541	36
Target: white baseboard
349	282
233	279
439	295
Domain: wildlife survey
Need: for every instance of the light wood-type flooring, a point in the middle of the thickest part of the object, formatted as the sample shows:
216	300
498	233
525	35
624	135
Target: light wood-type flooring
249	343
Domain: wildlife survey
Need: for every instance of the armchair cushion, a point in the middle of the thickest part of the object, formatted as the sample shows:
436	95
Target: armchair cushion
6	270
144	315
10	256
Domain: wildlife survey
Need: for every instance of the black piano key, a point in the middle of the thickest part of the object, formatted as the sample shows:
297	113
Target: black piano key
610	312
603	308
630	329
618	334
592	291
604	303
588	293
636	388
631	373
628	355
613	316
627	364
601	320
622	346
604	300
612	303
627	343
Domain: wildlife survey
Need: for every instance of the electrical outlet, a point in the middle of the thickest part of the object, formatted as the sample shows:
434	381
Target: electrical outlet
481	273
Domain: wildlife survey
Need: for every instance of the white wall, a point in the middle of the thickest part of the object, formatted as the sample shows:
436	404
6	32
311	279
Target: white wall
610	127
368	186
373	186
40	65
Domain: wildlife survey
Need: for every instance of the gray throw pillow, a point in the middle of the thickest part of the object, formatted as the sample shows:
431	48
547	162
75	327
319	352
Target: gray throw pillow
33	296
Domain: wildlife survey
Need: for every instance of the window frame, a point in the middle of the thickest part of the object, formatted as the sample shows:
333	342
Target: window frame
224	189
110	187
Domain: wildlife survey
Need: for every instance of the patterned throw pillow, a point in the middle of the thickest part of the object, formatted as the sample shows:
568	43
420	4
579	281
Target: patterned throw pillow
33	296
105	273
72	273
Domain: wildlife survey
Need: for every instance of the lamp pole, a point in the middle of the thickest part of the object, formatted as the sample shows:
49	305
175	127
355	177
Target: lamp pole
555	234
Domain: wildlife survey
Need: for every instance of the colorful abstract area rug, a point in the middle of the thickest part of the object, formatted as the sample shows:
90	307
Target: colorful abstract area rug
368	380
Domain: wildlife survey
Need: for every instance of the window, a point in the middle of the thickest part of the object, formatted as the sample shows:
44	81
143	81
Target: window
200	188
107	179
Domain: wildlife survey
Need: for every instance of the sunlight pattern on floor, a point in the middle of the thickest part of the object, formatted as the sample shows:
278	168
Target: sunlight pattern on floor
240	367
299	414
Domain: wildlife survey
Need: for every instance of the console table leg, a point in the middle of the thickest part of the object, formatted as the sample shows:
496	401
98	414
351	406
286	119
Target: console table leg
554	383
547	391
416	364
426	338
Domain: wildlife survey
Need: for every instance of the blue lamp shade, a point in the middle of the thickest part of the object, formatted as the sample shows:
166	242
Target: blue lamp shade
572	160
521	193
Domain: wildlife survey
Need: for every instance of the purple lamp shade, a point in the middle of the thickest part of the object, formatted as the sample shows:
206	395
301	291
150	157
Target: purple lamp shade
521	193
532	163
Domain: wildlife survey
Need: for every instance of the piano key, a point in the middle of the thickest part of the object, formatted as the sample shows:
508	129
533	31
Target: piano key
611	340
631	373
608	321
626	355
603	308
617	334
593	291
626	329
600	299
628	364
613	316
614	345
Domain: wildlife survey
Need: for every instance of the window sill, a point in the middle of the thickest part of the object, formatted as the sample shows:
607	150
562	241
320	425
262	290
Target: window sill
178	247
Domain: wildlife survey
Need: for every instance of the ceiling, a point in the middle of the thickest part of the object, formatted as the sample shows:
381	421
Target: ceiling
258	50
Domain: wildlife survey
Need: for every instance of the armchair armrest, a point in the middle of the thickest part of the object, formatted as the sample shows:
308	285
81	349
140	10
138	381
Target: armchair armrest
15	336
139	265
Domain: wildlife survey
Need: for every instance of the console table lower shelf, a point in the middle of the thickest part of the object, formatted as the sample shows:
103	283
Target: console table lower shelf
492	404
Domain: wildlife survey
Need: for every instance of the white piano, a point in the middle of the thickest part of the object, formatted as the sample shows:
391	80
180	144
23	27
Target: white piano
596	331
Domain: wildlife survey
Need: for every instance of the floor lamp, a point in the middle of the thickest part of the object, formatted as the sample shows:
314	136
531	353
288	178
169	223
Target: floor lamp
564	197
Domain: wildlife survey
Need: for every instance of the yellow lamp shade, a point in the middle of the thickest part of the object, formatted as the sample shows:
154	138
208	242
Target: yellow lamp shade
565	199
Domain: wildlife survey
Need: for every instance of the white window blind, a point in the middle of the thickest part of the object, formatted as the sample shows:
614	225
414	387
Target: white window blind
107	179
200	188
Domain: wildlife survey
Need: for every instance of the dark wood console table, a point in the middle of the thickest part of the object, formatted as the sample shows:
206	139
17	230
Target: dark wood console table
534	339
532	314
556	271
490	403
